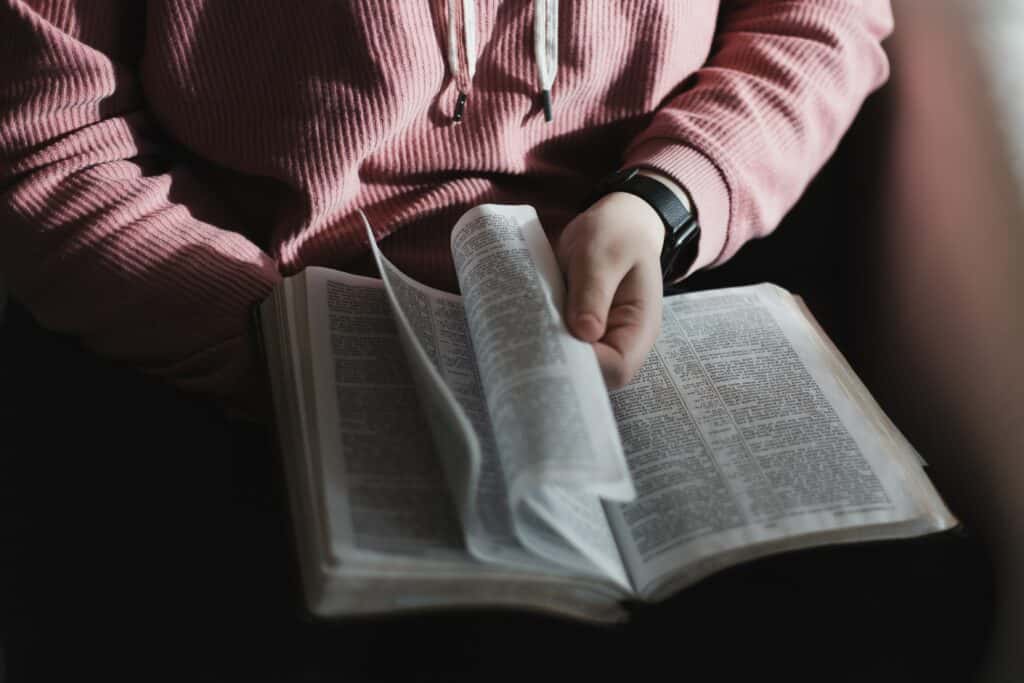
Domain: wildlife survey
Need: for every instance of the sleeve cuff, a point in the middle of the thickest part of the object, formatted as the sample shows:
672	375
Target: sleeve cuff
702	181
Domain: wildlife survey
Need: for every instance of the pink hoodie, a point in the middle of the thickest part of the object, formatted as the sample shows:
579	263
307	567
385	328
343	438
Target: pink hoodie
162	164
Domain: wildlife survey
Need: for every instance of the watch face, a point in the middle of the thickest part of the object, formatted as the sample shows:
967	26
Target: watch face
684	252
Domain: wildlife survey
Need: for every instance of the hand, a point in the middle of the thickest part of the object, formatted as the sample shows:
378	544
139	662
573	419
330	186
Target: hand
611	255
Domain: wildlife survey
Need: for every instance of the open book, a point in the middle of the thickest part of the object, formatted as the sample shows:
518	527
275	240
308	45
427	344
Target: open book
464	451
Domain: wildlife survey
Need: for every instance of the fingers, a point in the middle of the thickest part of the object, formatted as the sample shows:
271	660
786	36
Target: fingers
634	321
594	273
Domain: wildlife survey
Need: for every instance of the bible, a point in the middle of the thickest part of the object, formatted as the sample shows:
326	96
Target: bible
446	450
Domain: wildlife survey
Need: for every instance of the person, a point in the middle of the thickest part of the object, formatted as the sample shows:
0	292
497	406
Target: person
164	164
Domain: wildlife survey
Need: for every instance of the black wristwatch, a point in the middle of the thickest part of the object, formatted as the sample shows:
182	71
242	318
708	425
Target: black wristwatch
682	232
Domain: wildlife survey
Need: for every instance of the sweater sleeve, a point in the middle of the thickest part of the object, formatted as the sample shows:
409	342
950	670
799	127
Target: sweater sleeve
783	82
105	234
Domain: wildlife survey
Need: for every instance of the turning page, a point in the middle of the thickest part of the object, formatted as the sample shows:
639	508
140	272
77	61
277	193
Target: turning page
432	324
555	431
562	529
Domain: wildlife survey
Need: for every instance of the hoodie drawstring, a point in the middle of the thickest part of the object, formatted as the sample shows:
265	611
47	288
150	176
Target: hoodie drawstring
462	49
462	14
545	48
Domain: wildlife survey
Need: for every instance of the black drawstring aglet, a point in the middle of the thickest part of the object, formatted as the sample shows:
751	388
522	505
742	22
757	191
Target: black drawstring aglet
460	107
545	96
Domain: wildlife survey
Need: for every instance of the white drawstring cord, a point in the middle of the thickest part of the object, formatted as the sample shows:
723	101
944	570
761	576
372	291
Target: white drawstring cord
466	11
545	48
462	49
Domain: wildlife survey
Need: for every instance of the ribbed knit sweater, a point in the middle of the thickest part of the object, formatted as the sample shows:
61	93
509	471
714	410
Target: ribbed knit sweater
164	163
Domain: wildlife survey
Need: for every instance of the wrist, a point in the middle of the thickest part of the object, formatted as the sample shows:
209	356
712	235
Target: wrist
667	199
640	218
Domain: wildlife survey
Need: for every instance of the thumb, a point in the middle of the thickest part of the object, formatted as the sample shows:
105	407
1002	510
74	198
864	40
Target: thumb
593	281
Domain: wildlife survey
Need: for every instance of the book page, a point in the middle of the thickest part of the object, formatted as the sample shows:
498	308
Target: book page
553	424
739	431
433	326
385	490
